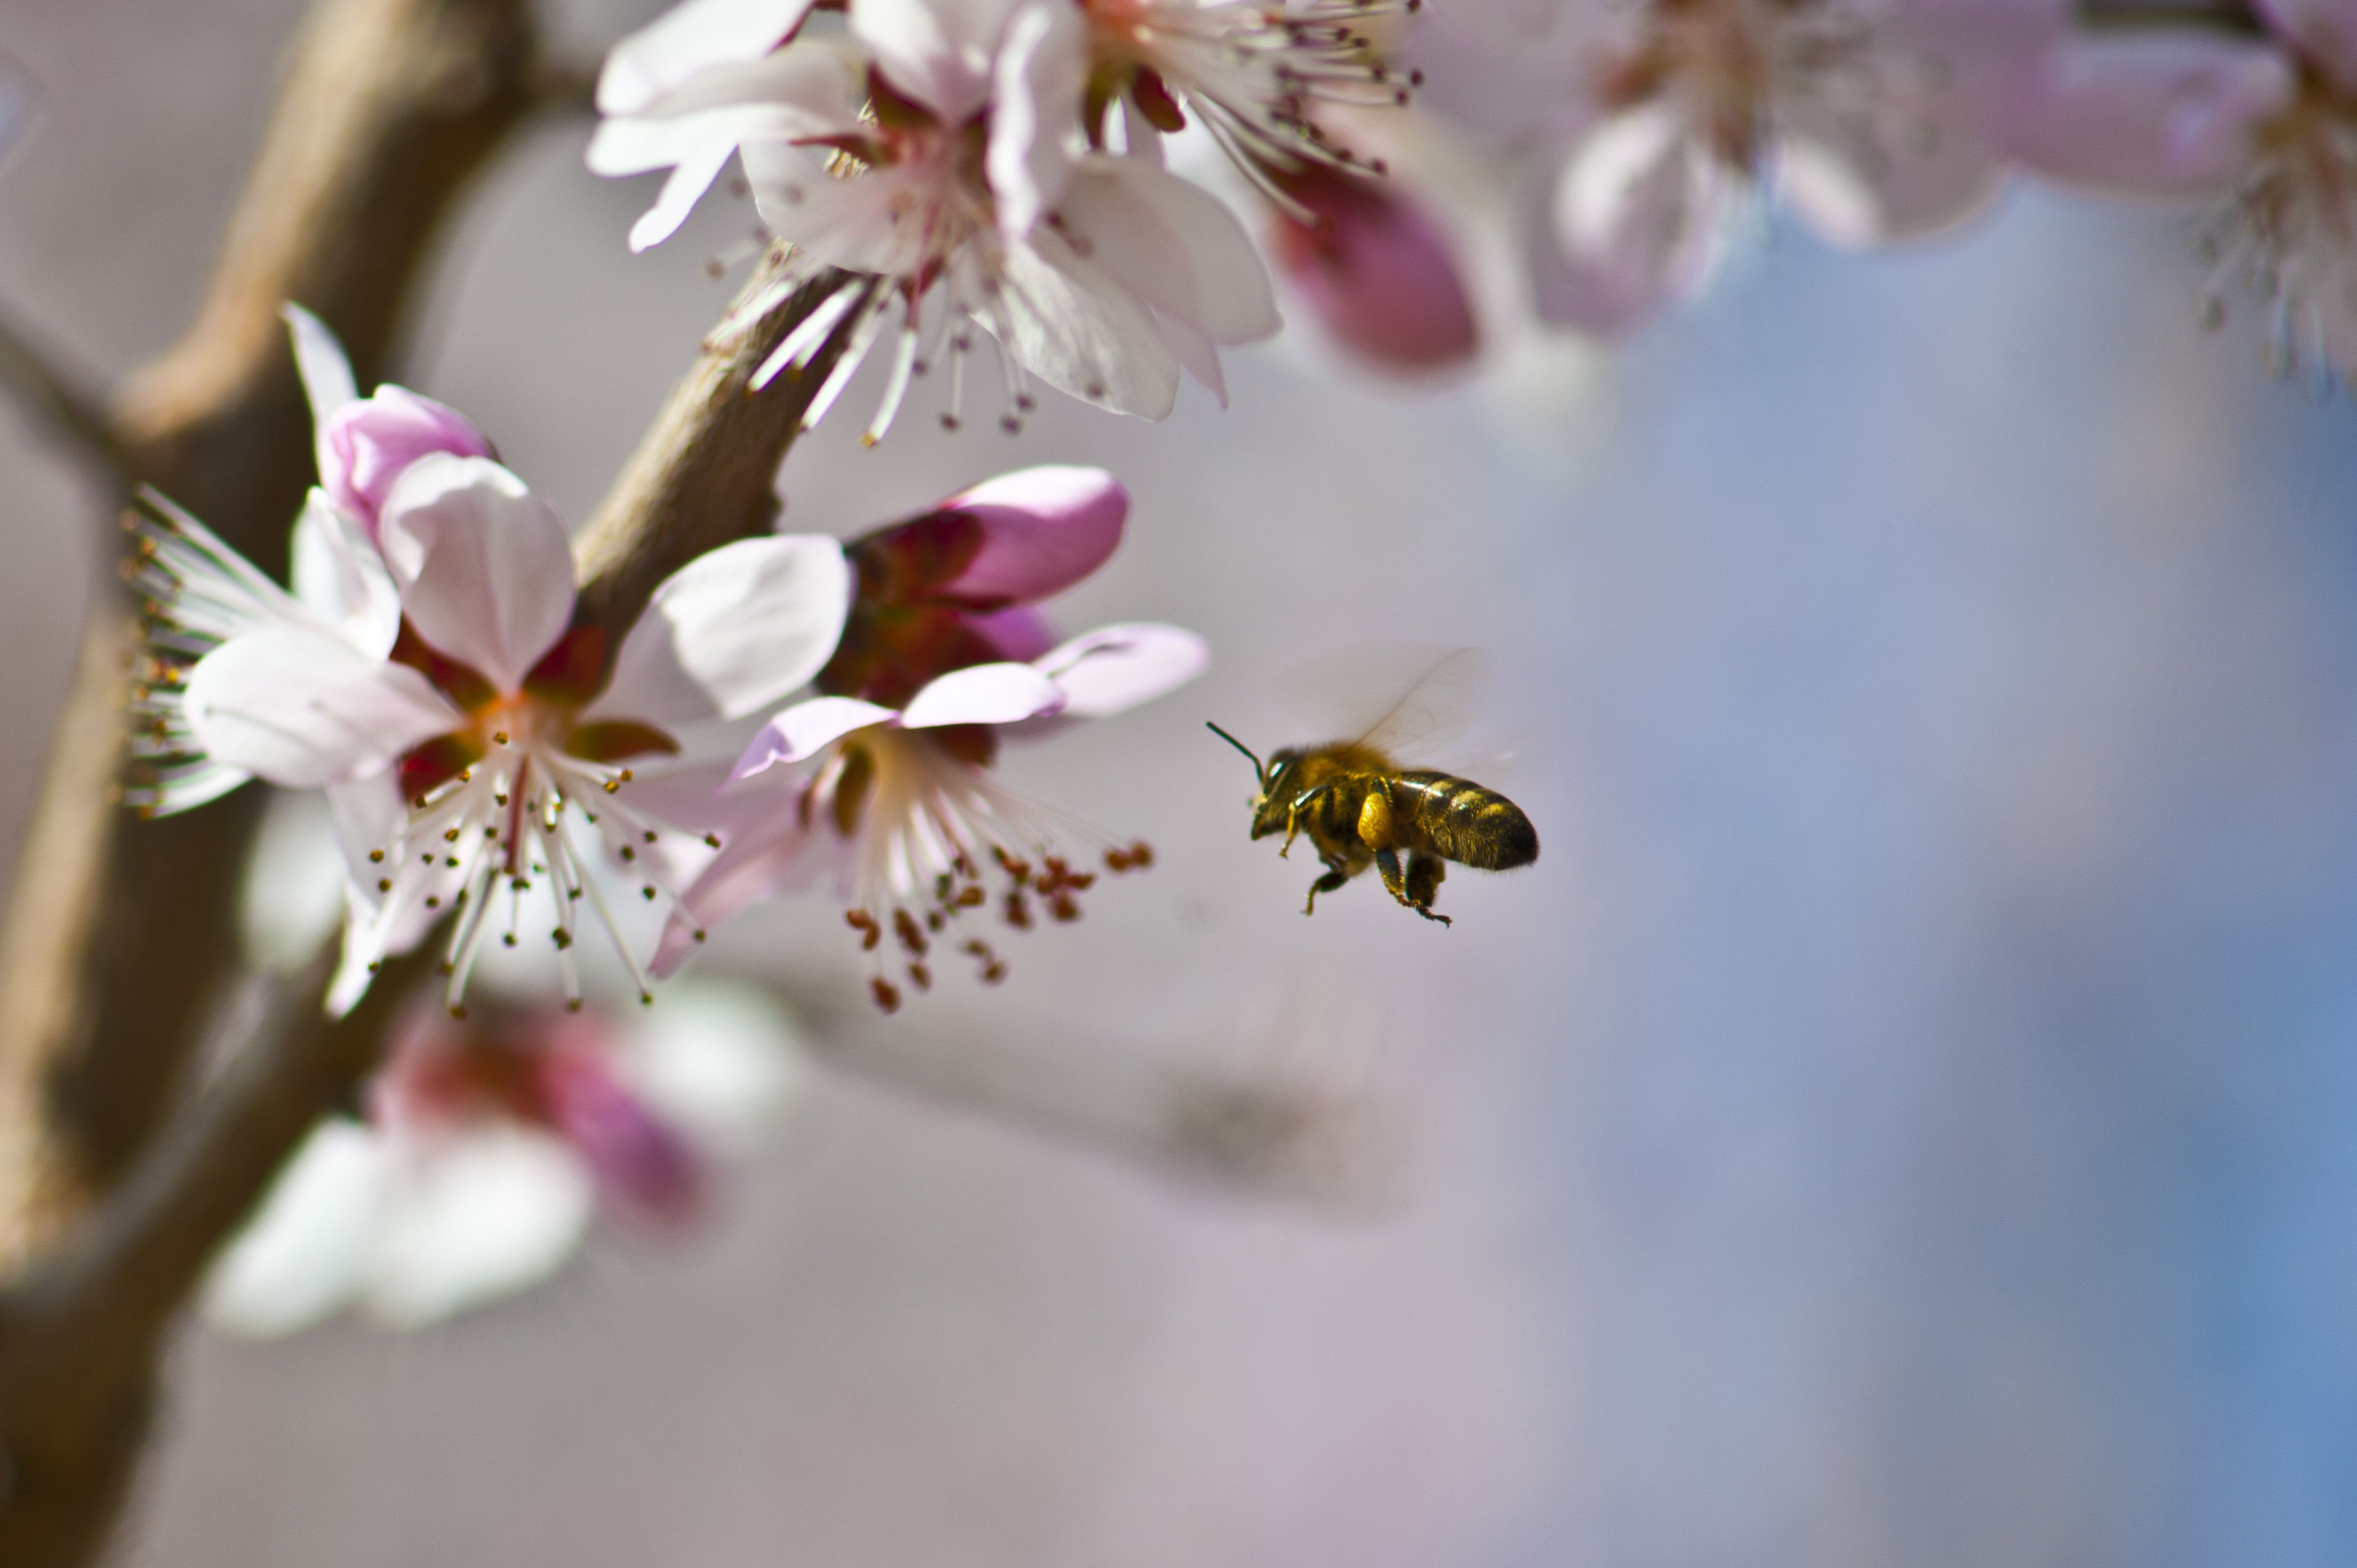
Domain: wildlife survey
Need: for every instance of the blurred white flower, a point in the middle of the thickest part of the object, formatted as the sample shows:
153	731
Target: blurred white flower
1869	119
2265	127
489	1145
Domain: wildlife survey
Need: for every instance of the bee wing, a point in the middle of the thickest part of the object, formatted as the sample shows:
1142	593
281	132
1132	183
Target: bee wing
1402	698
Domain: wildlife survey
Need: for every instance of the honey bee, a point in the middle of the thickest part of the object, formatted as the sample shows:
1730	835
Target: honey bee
1361	808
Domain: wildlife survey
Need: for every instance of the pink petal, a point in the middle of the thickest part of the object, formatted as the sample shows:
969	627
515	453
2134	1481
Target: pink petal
635	1157
1018	632
2158	113
483	565
690	39
304	709
733	630
1117	667
367	444
806	729
1043	529
984	695
778	856
1382	277
2325	31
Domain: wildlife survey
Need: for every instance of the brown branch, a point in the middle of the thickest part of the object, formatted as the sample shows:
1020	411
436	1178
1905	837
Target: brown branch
57	400
77	1336
705	473
119	933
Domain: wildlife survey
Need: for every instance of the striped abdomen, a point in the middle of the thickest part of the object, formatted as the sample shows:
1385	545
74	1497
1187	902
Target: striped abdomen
1458	820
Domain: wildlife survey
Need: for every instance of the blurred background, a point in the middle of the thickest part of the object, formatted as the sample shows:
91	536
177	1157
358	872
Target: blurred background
1904	1118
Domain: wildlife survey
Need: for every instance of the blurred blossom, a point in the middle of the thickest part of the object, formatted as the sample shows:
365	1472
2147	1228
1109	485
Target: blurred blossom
2264	126
883	777
489	1145
942	160
1657	123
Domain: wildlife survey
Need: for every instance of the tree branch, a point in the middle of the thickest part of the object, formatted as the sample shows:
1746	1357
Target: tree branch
119	933
56	400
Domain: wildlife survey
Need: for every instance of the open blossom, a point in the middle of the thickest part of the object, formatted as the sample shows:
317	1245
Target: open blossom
472	743
1253	74
1865	116
2264	126
883	782
941	168
488	1146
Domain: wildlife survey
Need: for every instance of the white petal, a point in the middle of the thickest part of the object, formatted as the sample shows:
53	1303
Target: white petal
938	52
685	186
984	695
1174	244
293	897
342	577
302	709
718	1060
806	729
304	1254
1035	113
1117	667
1635	213
319	359
687	39
492	1212
733	630
485	570
1076	327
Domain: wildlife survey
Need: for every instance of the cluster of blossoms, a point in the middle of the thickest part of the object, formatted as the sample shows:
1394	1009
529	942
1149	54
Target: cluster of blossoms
996	169
490	763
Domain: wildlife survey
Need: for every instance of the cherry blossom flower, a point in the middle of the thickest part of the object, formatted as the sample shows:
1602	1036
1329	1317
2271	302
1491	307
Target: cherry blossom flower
941	169
470	739
883	781
1256	76
2265	127
488	1146
1865	116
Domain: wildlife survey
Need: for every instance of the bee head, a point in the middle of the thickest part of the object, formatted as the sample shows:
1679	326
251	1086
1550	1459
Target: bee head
1264	772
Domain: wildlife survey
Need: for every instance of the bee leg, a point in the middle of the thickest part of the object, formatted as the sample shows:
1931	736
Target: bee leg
1397	884
1425	873
1293	815
1331	883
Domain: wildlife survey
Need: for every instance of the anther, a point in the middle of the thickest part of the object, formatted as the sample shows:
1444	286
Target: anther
376	857
648	894
713	840
498	737
887	995
384	884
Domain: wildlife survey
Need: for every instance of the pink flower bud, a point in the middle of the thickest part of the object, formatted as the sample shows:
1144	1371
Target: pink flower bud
1378	273
365	445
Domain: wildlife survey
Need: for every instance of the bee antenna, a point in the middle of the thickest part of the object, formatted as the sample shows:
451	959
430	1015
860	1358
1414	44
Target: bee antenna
1257	766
